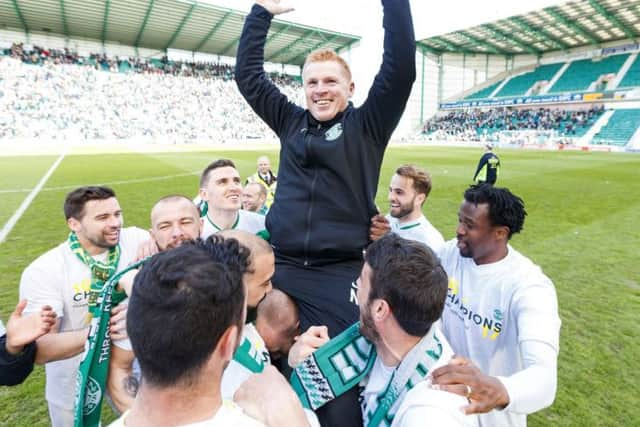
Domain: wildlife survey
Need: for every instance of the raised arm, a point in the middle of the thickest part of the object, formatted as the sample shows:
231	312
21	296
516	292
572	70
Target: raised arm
262	95
391	87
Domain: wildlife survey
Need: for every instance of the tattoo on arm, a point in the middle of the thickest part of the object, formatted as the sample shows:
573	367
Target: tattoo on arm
131	385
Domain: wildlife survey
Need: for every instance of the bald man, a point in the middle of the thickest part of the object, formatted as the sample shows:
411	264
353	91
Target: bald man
254	197
252	355
278	323
174	220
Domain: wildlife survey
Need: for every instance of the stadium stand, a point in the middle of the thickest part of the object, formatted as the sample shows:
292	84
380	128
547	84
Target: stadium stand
632	77
60	95
36	55
582	73
520	85
620	128
484	93
474	125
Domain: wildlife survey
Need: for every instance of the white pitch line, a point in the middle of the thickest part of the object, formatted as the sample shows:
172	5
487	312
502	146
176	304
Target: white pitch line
110	183
27	201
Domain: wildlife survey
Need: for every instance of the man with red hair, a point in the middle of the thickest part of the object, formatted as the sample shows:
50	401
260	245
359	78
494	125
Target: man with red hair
330	159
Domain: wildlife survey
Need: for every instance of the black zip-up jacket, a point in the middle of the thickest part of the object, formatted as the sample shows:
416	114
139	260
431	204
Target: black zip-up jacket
328	172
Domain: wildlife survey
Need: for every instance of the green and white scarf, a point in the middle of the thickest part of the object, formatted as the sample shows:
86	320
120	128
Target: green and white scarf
94	367
92	373
347	359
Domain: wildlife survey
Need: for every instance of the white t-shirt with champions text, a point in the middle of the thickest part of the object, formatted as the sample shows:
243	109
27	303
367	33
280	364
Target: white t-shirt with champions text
60	279
491	309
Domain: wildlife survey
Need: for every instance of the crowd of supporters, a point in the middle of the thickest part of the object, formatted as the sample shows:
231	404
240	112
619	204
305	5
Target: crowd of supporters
68	96
475	124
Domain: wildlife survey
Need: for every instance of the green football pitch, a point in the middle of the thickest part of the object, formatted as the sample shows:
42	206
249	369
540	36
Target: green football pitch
581	229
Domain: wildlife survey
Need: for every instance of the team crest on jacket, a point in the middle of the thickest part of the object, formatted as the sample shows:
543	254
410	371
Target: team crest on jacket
334	132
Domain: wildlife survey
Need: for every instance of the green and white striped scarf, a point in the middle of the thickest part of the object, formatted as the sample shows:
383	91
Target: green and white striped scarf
94	366
347	360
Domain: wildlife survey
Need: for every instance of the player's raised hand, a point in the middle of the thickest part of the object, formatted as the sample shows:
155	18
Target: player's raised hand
22	330
275	7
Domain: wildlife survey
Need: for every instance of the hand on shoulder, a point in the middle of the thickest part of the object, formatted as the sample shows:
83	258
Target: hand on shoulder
462	377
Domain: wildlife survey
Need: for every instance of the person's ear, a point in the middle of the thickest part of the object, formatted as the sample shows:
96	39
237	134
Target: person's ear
501	232
203	194
228	343
380	310
74	225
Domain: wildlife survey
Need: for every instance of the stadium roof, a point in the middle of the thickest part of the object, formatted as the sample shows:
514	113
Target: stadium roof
566	26
163	24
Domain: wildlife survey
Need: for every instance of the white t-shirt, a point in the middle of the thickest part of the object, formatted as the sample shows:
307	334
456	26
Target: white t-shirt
235	374
420	230
228	415
421	406
58	278
250	222
2	329
490	309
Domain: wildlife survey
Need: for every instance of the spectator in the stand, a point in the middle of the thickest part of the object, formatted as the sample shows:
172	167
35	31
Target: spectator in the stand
75	97
474	125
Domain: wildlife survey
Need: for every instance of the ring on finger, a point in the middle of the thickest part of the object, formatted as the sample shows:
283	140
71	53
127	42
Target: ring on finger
468	391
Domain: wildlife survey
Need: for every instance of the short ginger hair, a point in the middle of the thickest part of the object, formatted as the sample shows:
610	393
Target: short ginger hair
323	55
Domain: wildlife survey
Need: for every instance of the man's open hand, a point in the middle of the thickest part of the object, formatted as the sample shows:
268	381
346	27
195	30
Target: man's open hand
22	330
275	7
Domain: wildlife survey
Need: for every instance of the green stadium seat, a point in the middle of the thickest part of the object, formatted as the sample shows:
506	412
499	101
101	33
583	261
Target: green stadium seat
620	128
632	77
484	93
580	74
124	67
519	85
156	62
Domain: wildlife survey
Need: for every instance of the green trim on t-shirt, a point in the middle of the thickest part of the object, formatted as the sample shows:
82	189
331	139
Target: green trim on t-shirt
233	227
410	226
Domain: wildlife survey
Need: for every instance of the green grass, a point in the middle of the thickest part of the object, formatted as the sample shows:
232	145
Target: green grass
581	228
